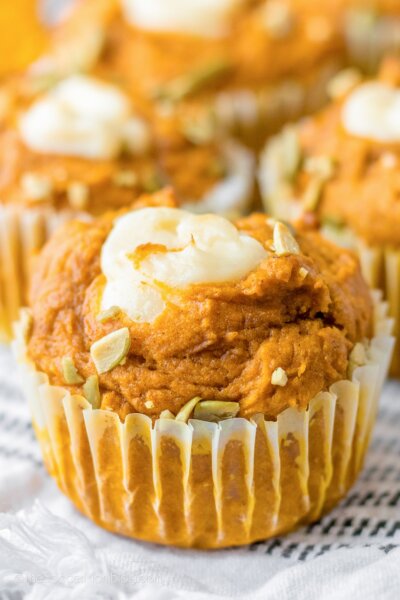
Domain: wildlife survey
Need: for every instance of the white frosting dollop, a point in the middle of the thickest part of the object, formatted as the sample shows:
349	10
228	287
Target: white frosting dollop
209	18
372	111
154	248
81	116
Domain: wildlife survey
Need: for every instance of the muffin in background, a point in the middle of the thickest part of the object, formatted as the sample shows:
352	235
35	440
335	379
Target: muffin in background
252	63
81	148
341	169
19	20
197	382
372	30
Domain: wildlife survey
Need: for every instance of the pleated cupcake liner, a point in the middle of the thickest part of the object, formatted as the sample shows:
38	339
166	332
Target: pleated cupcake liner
369	37
251	115
202	484
23	232
381	268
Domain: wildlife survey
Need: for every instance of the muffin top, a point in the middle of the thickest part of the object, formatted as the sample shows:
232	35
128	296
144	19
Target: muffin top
82	144
174	50
342	166
146	310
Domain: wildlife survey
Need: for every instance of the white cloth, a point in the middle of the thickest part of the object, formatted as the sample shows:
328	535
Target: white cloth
49	551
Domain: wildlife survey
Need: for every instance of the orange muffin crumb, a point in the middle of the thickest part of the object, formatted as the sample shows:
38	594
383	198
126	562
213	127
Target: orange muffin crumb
299	313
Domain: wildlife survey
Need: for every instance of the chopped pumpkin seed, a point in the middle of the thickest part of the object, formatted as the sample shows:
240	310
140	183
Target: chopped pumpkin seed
107	314
190	83
36	187
312	194
187	409
78	195
110	350
127	178
215	410
284	242
70	373
91	391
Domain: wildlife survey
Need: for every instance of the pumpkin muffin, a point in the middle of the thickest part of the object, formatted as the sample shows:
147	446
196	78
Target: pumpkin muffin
341	168
372	29
199	382
254	63
82	148
19	20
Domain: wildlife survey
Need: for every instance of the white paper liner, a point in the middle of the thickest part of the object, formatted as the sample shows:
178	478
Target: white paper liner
250	115
233	194
23	231
381	269
204	484
370	37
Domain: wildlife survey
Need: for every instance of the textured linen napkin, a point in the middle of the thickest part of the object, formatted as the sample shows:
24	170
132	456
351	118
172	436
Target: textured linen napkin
49	551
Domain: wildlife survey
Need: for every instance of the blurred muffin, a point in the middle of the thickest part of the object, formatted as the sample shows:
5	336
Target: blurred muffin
254	63
19	20
80	149
342	168
197	382
372	29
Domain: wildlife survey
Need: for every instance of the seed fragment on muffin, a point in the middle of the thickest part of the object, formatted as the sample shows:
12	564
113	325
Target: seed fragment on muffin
214	410
91	391
110	351
78	195
107	314
71	375
279	377
187	409
284	242
36	187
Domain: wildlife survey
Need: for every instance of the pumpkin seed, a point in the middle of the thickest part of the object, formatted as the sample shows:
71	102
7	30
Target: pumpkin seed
110	350
126	178
343	82
70	373
110	313
187	409
36	187
312	194
284	242
78	195
215	410
190	83
92	392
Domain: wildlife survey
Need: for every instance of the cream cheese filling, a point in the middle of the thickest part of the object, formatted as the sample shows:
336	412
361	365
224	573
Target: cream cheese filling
372	111
152	249
208	18
83	117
